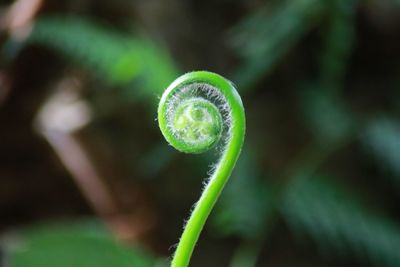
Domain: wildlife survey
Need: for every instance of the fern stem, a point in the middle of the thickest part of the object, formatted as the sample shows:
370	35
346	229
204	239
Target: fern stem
187	119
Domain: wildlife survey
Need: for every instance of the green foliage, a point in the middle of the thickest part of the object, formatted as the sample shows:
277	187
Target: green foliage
336	52
339	223
382	140
78	244
327	117
117	58
317	35
263	37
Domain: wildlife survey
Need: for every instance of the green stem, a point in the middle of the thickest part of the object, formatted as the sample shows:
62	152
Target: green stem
194	129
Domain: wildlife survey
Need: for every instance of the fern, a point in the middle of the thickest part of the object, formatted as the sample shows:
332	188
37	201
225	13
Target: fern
263	37
115	57
84	243
339	35
327	117
338	223
382	141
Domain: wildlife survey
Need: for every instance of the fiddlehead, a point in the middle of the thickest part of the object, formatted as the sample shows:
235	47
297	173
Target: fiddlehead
198	110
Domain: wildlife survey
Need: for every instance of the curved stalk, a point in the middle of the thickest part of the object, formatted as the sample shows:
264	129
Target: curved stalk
198	110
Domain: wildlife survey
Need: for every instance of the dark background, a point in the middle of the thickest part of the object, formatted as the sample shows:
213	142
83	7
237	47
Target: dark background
318	181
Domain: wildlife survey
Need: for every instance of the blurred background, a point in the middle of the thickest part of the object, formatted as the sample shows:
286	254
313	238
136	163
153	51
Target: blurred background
87	180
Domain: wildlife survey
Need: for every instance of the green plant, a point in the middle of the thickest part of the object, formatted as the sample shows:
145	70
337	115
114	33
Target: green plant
195	112
83	243
131	61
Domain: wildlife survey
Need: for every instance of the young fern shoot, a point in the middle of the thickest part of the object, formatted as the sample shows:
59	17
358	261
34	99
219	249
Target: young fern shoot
197	111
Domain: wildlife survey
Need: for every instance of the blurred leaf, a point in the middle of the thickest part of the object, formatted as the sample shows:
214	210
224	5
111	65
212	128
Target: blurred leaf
117	58
339	37
326	115
339	224
264	36
382	138
75	245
